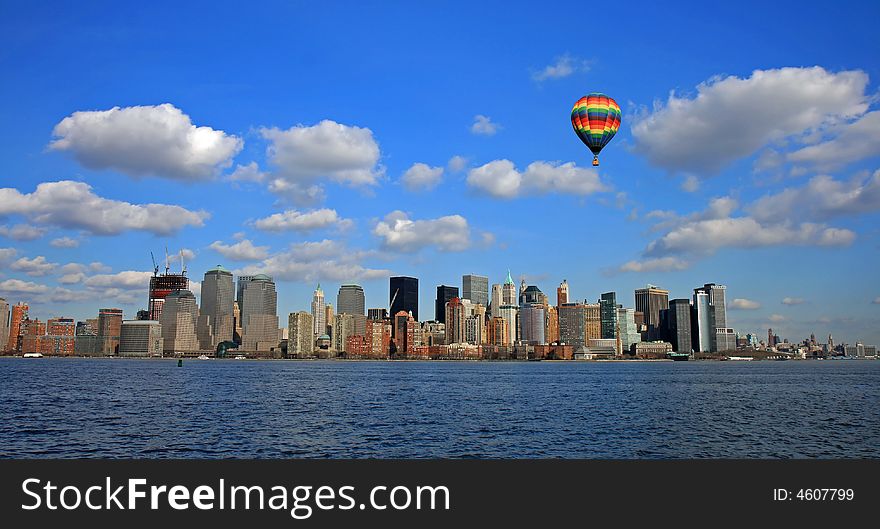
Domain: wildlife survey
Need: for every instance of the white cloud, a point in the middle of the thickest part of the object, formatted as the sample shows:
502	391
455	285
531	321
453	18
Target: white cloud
145	140
248	173
501	179
293	220
776	318
821	198
72	278
483	125
329	151
456	163
730	118
659	264
22	232
7	254
243	250
422	177
564	66
98	267
690	184
17	286
854	141
127	280
314	261
36	267
744	304
399	233
73	205
64	242
793	301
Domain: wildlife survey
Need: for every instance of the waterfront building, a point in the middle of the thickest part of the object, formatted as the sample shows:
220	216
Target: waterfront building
403	295
717	317
551	334
475	288
217	313
444	295
179	319
725	339
608	314
701	325
678	325
532	322
651	350
109	327
572	324
343	326
628	330
510	313
593	321
60	337
378	338
455	321
499	332
32	334
408	333
649	301
300	334
18	314
141	338
4	324
258	305
319	313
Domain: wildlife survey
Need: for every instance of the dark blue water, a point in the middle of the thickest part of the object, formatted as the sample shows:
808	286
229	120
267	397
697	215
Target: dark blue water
281	409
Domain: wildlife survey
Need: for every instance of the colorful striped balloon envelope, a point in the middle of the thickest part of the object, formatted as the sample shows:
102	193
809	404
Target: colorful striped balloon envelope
596	119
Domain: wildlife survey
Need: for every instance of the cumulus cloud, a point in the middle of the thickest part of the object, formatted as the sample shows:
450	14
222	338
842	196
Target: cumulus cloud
73	205
7	254
248	173
854	141
64	242
185	253
694	134
155	140
422	177
564	66
304	156
17	286
126	280
484	126
658	264
793	301
36	267
399	233
315	261
22	232
776	318
822	198
243	250
744	304
456	163
501	179
293	220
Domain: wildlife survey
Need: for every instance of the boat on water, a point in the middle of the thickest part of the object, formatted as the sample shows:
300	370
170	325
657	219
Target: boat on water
679	357
240	357
741	358
32	355
203	357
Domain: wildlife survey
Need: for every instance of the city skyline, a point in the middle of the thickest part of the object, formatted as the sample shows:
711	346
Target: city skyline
752	165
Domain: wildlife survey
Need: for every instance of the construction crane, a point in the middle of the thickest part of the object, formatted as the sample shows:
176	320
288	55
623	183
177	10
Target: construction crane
155	266
390	315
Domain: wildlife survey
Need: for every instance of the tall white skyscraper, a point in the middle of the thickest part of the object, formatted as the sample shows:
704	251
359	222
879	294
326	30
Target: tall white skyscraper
258	305
217	306
179	318
319	312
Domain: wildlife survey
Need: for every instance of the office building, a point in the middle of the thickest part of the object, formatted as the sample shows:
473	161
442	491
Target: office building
407	334
532	323
608	314
4	324
160	287
475	288
18	314
444	295
109	328
300	334
562	293
495	302
628	330
344	325
350	300
678	325
258	305
508	291
377	314
319	313
455	321
142	337
217	309
403	295
179	319
60	337
649	301
592	321
572	324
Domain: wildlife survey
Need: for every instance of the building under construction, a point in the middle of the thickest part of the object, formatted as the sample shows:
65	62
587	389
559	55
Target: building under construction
163	284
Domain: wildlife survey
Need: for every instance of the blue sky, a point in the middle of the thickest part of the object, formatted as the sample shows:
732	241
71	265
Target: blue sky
316	143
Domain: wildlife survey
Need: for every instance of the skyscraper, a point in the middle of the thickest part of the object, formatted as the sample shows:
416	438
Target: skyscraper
4	324
629	331
319	312
217	308
403	295
678	325
300	334
179	319
608	314
572	324
532	320
475	288
444	295
562	293
455	321
593	321
18	315
350	299
508	291
649	301
160	287
718	329
140	338
259	316
109	328
701	325
495	306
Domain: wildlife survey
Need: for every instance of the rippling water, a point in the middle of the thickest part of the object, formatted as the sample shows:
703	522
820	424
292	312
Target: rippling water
272	409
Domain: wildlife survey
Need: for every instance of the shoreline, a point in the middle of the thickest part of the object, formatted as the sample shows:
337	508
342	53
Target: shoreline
390	360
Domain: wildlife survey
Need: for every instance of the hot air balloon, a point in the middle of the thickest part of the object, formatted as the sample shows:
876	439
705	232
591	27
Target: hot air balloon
595	118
